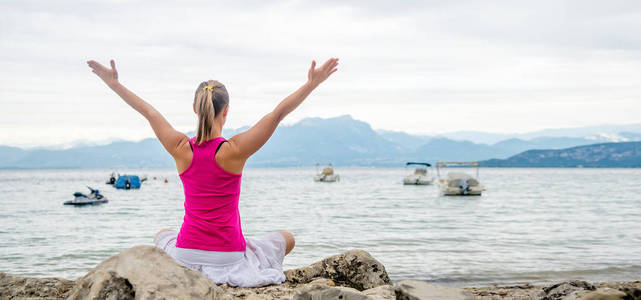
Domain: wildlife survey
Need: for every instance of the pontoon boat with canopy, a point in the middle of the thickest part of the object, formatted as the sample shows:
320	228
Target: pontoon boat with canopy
459	183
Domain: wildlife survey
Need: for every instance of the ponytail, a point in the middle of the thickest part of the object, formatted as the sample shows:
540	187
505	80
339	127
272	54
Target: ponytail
211	97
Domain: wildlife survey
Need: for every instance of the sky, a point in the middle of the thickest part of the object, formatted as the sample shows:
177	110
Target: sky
416	66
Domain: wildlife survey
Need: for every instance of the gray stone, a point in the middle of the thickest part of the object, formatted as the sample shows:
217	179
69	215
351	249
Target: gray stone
415	290
562	290
144	272
325	292
383	292
355	268
601	294
281	291
15	287
633	293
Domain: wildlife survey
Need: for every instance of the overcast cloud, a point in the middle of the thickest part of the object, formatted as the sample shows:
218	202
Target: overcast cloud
415	66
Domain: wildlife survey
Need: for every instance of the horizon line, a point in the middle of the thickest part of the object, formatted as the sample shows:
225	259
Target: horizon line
109	140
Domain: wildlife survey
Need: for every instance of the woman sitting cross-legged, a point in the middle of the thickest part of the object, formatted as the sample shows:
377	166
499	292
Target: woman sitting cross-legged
210	239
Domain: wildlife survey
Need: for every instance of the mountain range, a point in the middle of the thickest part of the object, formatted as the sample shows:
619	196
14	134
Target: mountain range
611	155
340	140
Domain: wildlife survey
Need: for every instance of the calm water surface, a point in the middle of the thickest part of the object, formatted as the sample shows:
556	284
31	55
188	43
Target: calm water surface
535	225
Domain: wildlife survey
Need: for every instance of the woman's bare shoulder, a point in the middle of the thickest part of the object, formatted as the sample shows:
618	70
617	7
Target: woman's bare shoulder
228	158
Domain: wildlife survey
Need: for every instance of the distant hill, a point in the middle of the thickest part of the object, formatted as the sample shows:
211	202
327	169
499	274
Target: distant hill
147	153
404	140
340	140
614	155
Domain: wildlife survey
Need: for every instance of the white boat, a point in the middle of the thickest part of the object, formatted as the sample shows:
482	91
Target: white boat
458	183
420	175
326	174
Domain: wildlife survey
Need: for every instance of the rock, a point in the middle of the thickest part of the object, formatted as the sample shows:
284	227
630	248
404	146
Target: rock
382	292
324	281
569	290
574	288
356	269
12	287
633	293
325	292
281	291
289	290
144	272
603	294
415	290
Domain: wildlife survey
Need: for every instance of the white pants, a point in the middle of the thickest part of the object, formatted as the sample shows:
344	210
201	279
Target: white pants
260	264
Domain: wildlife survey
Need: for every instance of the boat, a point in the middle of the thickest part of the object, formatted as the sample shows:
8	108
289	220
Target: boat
420	174
326	174
81	199
459	183
129	182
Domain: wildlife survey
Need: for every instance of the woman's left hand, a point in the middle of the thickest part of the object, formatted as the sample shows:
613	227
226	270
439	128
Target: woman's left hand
109	76
316	76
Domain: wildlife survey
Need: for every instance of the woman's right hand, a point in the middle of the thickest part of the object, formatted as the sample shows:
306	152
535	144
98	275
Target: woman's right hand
317	76
109	76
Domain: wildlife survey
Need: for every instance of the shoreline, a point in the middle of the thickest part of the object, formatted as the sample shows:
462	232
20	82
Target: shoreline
19	287
462	284
146	272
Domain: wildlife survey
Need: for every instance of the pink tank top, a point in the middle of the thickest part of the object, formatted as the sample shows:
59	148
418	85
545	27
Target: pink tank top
212	220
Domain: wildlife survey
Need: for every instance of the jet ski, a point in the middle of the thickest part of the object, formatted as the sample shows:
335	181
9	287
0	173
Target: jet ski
93	198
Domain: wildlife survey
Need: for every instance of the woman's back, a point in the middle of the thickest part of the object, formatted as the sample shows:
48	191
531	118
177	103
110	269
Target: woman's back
211	239
212	220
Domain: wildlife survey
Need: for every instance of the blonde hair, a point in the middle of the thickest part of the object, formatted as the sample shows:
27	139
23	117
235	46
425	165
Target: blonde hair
210	99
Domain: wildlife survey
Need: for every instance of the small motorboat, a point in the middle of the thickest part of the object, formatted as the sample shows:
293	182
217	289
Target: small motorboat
420	174
459	183
326	174
93	198
129	182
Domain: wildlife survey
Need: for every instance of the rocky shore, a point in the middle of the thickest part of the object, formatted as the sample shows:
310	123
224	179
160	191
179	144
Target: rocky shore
145	272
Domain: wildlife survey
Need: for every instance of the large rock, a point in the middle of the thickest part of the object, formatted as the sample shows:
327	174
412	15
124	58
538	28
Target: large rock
355	268
15	287
566	289
144	272
417	290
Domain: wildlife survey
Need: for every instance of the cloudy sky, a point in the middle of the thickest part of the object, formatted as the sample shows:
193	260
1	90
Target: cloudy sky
415	66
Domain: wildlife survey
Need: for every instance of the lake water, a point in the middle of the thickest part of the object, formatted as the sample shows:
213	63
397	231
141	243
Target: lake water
531	225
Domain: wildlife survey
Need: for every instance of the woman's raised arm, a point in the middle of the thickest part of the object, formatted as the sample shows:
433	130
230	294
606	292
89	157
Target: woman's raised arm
247	143
172	140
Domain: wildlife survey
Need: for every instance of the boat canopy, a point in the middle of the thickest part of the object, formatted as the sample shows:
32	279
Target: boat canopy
418	163
441	164
458	175
133	180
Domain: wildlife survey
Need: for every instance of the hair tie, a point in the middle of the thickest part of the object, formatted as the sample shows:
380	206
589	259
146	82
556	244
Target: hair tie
208	88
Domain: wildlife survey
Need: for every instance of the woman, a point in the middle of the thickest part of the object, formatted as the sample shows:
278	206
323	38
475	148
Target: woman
210	239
